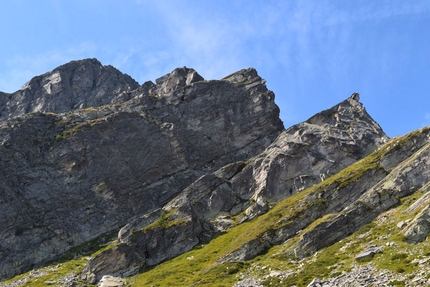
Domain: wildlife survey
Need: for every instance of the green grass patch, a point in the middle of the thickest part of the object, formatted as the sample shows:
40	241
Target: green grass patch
70	263
396	283
51	273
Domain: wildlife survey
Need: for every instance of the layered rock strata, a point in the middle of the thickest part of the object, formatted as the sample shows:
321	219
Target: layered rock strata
406	177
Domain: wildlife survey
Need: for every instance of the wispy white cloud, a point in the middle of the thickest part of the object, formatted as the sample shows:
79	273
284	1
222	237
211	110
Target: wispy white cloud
328	13
209	46
300	36
215	42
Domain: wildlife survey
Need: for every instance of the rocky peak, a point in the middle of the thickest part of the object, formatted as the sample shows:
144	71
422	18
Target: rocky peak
179	78
75	85
345	113
310	152
241	76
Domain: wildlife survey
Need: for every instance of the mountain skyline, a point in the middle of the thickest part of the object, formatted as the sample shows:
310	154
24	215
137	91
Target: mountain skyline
108	177
312	54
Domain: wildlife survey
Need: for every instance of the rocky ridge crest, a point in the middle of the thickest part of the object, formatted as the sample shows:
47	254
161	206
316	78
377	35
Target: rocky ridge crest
75	85
200	178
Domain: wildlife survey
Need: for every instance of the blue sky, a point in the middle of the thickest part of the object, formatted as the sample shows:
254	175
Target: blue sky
313	54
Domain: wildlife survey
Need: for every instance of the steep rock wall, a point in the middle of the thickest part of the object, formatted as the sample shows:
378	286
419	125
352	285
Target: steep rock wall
300	157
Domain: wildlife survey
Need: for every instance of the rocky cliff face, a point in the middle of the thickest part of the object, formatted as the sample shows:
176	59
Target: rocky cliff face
68	178
202	181
300	157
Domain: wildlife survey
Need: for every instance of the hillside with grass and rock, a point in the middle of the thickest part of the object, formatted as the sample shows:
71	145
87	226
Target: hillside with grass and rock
194	182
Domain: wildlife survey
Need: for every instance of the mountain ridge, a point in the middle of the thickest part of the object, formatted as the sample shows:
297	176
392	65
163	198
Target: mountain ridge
202	175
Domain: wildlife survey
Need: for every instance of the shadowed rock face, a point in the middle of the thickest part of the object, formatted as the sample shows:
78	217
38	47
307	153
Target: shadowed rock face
68	178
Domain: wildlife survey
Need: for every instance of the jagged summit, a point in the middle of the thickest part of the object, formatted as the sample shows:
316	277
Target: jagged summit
241	75
179	78
75	85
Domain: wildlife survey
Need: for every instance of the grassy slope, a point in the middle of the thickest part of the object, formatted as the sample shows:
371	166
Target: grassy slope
199	267
67	266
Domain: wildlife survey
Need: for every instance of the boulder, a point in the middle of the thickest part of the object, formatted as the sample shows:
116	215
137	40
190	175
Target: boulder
369	252
111	281
419	227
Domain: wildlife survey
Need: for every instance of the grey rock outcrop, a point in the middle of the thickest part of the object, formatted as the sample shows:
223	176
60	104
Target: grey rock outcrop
310	152
419	228
407	177
300	157
369	252
177	228
86	152
69	178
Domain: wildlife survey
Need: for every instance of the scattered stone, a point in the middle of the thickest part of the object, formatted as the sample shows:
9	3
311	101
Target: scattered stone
249	282
369	252
365	255
419	228
315	283
111	281
401	224
275	273
423	261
